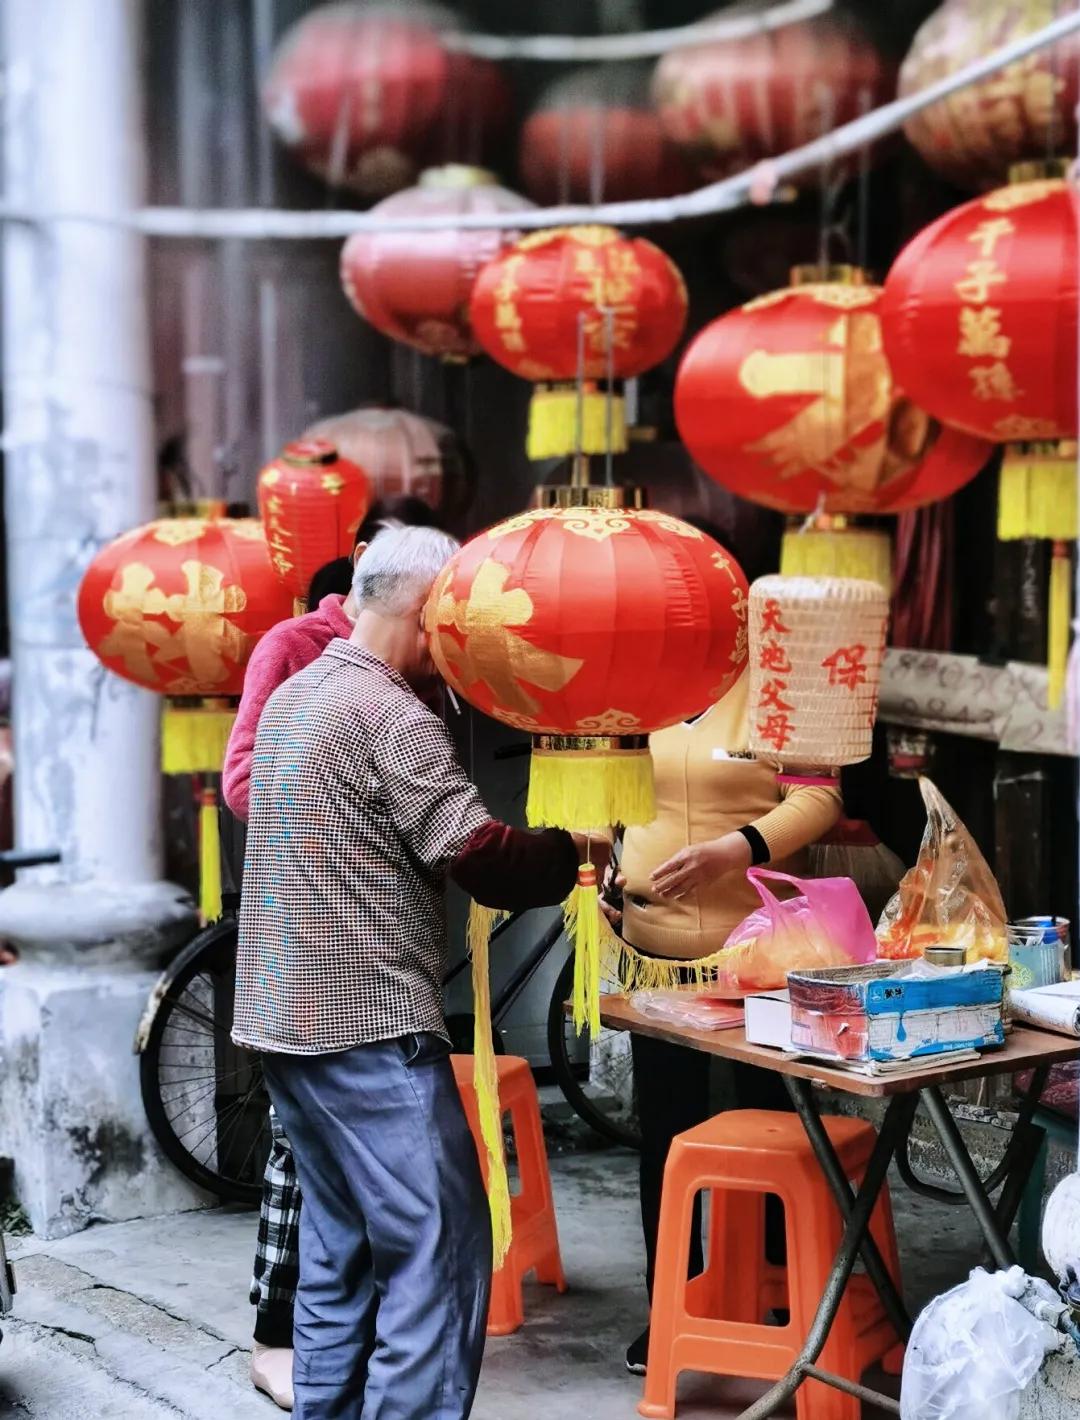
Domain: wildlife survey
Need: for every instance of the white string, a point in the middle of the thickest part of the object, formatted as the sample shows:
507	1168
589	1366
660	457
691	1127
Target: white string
647	44
756	184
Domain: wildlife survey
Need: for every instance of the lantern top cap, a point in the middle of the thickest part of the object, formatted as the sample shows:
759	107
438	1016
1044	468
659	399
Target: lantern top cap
457	175
576	495
840	274
1040	170
306	452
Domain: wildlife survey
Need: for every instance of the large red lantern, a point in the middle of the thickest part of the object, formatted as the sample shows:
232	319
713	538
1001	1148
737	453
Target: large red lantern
312	501
178	605
367	95
595	137
576	303
731	103
790	401
415	286
1024	111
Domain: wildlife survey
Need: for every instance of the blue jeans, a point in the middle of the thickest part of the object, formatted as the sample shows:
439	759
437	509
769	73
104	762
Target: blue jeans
395	1233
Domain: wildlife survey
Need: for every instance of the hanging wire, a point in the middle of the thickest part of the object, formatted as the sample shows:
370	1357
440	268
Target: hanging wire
862	225
579	404
608	313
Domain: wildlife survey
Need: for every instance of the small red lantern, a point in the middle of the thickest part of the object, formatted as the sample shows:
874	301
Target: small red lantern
368	96
790	401
403	455
731	103
595	137
578	303
311	501
1024	111
178	605
415	286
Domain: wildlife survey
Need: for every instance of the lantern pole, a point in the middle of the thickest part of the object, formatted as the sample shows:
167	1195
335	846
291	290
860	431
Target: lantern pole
79	469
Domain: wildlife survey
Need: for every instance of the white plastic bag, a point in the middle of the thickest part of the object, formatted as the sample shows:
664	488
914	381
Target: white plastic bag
973	1350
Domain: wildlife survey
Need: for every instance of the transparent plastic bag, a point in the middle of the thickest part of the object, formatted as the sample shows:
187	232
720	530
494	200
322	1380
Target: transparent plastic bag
825	925
950	897
851	849
974	1349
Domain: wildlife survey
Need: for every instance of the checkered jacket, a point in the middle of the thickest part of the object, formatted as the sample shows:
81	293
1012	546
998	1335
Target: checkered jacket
358	806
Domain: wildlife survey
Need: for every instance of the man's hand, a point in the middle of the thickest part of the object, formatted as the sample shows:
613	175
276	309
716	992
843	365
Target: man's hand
610	911
591	849
700	863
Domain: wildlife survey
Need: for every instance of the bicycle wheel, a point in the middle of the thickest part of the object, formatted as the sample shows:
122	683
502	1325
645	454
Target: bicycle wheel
595	1075
204	1097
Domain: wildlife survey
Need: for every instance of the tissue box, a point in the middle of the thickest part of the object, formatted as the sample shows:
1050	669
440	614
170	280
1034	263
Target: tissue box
895	1011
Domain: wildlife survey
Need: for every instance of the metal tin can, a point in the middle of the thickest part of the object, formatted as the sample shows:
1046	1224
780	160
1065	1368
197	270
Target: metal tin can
942	955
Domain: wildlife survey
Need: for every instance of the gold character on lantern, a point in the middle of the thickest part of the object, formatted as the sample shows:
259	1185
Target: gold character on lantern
994	382
987	234
976	285
981	333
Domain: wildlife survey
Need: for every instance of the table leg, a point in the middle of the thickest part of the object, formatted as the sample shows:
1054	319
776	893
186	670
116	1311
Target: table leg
974	1189
856	1231
802	1096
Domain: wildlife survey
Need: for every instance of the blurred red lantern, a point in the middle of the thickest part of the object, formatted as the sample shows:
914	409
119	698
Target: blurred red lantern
178	605
415	286
595	137
790	401
731	103
1025	111
594	626
403	455
311	501
366	96
576	302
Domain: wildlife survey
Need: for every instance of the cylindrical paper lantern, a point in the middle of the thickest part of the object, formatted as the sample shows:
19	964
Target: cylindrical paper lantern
816	647
311	501
415	286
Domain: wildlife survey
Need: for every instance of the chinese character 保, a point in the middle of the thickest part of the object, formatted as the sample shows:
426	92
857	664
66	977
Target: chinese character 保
847	666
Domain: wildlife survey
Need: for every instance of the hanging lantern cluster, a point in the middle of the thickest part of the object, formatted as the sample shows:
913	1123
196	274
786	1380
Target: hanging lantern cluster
311	501
568	308
791	401
414	286
366	96
1023	112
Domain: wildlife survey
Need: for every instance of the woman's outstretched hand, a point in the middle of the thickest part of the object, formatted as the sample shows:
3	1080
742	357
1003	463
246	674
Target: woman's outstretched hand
700	863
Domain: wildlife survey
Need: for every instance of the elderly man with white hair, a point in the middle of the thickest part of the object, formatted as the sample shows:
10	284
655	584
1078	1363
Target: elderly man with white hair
359	811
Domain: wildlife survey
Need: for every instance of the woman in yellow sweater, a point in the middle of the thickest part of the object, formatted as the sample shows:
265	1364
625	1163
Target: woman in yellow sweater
684	888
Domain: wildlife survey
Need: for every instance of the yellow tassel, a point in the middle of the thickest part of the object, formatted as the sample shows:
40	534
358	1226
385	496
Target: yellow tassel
580	788
553	422
1037	492
837	552
193	738
582	916
486	1080
209	856
1060	616
634	972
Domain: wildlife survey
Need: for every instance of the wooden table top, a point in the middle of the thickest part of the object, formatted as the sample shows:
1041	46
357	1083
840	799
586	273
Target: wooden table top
1024	1049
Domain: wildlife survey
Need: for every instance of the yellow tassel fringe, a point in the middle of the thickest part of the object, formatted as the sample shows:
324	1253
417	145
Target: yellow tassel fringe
553	423
486	1079
193	738
582	788
209	857
1037	495
839	552
1060	616
583	918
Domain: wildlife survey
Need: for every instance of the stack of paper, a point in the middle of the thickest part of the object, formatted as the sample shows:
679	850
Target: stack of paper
1055	1008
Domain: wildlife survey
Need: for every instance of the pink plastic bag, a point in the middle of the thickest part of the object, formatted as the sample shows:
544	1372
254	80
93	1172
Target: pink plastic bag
827	924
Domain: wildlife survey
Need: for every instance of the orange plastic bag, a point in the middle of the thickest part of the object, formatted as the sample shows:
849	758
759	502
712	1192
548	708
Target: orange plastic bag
949	898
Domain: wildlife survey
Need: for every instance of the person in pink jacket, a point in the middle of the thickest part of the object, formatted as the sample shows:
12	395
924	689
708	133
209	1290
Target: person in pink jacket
286	649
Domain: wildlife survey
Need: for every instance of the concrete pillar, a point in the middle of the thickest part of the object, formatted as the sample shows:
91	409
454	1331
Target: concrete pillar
79	469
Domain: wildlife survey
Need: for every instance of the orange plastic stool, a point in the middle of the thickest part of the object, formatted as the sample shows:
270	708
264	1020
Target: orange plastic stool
715	1322
534	1246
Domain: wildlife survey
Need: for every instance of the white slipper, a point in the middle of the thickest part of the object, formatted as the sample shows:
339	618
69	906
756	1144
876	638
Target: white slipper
271	1372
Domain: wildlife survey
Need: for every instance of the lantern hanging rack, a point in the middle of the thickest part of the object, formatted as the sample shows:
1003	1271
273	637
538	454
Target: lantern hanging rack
759	184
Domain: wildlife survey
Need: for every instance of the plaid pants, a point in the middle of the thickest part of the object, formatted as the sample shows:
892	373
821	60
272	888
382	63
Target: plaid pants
277	1252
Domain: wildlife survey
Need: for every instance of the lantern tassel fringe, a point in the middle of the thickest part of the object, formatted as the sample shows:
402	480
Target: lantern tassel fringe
486	1080
1037	496
570	787
584	927
193	738
209	857
850	552
1060	616
553	423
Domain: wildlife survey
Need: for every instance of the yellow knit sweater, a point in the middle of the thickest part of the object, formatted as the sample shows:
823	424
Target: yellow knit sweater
707	785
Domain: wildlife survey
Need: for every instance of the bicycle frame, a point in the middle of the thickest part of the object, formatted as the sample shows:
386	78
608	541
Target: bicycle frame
522	974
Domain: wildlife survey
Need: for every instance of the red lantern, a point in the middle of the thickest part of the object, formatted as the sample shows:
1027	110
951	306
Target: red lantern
620	298
311	501
790	401
731	103
403	455
1022	112
590	627
367	96
595	137
177	605
415	286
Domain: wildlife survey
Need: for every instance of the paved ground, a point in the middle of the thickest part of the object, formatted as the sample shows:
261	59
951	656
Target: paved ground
149	1321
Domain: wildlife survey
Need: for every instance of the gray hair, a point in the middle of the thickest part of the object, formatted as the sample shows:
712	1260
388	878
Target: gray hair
395	571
